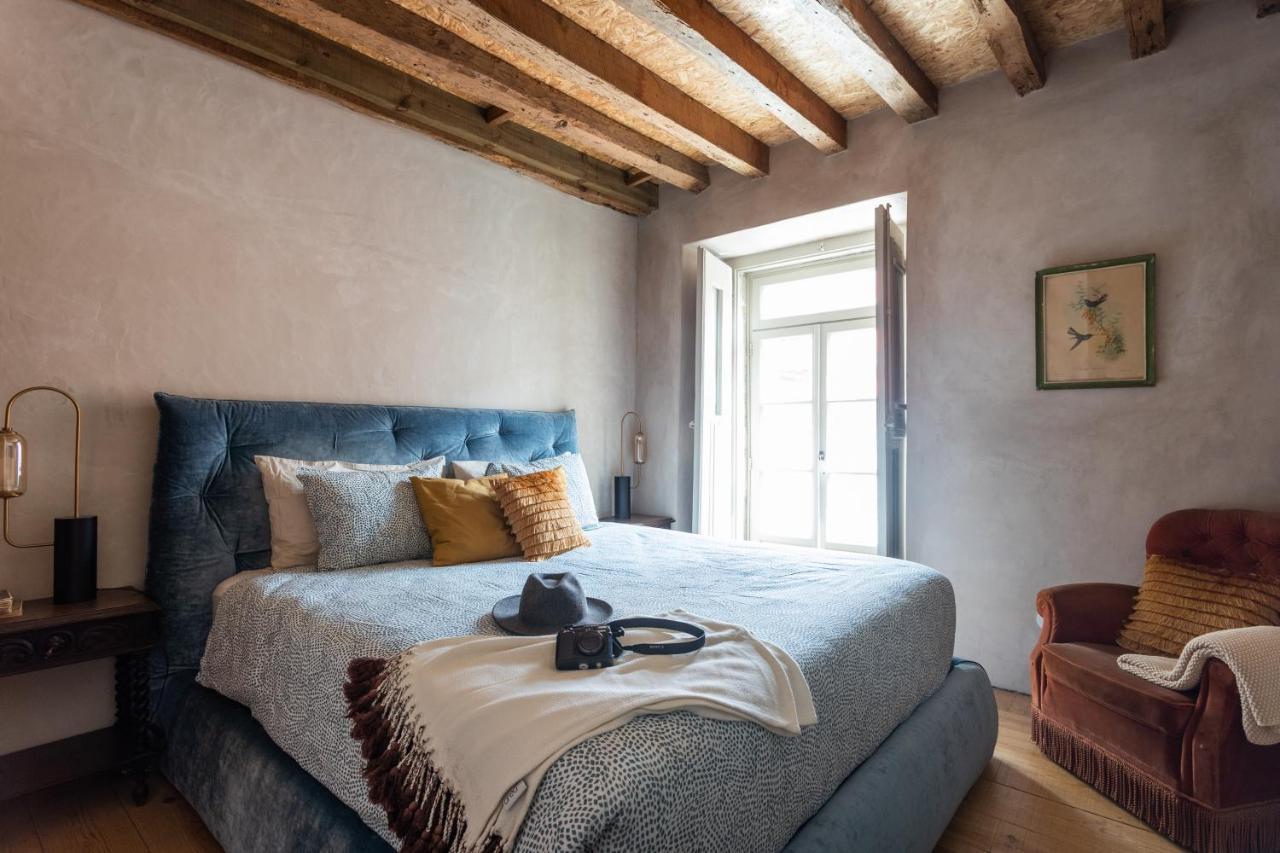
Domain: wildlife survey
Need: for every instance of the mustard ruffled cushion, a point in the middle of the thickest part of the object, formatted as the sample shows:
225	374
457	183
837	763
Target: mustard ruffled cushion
1180	601
537	508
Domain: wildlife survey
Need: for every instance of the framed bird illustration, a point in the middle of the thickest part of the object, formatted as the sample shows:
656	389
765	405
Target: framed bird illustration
1095	324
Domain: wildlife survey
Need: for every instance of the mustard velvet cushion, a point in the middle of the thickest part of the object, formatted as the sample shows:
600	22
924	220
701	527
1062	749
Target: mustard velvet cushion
537	508
464	520
1179	601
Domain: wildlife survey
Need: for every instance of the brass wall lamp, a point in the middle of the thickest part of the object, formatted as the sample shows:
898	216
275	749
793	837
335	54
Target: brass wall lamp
75	538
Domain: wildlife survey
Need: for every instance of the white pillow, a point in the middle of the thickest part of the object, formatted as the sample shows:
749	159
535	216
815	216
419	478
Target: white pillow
293	534
470	469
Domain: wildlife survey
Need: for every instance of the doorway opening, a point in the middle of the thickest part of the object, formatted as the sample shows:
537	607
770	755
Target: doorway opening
801	412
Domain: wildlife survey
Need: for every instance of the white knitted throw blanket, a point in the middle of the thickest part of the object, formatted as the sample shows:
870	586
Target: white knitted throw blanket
1253	655
458	732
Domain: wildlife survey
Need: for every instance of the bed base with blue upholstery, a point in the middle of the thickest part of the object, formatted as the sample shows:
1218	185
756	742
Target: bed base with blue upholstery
254	797
209	520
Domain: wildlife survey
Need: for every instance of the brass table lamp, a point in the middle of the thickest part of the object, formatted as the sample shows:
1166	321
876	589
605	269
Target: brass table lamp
622	483
75	538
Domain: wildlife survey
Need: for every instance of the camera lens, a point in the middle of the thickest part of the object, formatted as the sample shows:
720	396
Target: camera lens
590	643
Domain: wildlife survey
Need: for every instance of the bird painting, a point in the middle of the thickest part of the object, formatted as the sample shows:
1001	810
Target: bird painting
1080	337
1094	325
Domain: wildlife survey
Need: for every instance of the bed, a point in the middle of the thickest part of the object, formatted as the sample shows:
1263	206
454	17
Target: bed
259	747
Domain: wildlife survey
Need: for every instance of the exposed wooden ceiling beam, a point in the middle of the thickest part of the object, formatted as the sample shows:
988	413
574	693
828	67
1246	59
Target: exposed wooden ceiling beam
702	29
851	26
541	41
251	38
1145	19
394	36
496	115
1010	39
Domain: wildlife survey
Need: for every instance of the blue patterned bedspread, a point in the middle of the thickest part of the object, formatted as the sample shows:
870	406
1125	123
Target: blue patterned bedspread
873	636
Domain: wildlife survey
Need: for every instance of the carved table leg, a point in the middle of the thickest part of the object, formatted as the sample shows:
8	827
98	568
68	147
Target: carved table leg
133	717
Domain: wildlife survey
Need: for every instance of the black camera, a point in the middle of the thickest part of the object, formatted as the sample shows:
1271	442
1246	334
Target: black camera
597	646
586	647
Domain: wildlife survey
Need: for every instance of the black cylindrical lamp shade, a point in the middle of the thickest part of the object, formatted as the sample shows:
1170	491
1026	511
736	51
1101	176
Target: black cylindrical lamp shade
622	497
75	559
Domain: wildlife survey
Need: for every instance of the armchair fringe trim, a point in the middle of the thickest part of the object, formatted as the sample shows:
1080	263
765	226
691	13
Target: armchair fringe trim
1248	829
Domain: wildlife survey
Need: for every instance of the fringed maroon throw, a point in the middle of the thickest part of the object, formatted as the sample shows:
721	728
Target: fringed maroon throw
422	808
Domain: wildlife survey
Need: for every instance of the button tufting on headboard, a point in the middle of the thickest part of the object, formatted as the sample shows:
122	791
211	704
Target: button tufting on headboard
208	513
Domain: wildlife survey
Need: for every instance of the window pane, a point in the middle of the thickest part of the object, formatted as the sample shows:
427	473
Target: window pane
852	515
784	437
786	368
783	505
851	437
851	364
833	290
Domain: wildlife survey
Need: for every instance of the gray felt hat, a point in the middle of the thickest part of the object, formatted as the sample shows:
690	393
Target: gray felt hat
548	603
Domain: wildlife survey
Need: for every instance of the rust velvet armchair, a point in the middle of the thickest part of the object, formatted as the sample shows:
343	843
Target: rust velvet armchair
1178	761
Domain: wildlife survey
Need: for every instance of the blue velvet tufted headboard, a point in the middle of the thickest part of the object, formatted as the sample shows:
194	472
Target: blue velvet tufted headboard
208	513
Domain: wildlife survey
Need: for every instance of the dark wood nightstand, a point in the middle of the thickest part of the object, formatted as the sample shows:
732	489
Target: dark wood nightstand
662	521
121	623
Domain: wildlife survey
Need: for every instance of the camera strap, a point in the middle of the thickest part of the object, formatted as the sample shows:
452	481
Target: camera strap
618	628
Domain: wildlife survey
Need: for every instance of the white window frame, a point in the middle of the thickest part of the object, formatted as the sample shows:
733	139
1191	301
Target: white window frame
750	273
757	280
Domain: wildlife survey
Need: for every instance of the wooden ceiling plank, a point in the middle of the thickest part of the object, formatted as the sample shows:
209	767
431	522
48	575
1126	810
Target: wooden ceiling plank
251	38
1145	20
1005	27
704	31
531	32
395	36
851	26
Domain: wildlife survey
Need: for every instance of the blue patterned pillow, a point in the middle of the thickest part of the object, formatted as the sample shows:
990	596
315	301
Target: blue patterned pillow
366	517
576	483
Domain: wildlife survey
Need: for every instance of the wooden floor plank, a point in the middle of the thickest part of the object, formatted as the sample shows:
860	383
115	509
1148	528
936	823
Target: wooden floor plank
166	822
111	823
82	817
1022	821
17	832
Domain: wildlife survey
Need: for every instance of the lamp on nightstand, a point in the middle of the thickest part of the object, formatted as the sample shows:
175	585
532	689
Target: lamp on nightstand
75	538
622	483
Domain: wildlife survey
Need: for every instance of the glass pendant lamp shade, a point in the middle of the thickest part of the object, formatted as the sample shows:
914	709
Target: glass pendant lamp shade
13	464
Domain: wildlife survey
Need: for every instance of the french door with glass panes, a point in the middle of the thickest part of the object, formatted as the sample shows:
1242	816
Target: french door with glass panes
814	435
800	394
813	428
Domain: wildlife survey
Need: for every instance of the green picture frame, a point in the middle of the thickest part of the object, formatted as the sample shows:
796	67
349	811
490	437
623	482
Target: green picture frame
1113	304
